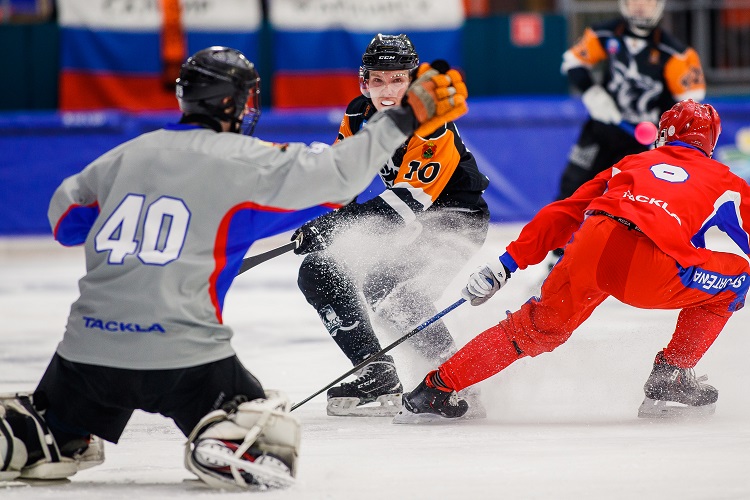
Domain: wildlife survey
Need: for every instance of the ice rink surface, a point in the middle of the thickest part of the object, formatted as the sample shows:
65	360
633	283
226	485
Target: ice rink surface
560	426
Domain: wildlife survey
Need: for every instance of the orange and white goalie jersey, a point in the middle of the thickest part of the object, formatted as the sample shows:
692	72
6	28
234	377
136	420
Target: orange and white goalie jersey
435	171
644	75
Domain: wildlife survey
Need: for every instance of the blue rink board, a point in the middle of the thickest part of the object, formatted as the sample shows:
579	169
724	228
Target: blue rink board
521	144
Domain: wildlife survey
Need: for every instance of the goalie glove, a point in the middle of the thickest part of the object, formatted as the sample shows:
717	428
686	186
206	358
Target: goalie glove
601	106
437	96
485	281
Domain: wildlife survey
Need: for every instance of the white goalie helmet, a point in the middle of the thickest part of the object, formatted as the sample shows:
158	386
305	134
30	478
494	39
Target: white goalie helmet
642	15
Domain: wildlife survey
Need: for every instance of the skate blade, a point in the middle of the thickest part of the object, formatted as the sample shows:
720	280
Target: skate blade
387	405
409	418
652	408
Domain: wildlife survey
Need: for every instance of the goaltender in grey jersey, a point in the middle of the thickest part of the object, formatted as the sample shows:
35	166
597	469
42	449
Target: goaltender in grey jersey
166	219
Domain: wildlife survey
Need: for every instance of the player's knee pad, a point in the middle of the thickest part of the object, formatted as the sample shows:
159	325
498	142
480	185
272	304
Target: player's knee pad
29	443
251	446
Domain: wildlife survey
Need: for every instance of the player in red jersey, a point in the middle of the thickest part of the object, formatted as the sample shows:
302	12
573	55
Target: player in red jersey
635	232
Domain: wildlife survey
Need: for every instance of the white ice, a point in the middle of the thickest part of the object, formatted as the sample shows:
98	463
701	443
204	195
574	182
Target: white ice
562	425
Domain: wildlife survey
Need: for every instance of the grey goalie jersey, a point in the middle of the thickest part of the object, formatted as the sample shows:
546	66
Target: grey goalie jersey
167	218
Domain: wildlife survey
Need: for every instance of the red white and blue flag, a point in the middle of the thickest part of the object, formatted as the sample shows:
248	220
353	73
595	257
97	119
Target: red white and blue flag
126	55
318	45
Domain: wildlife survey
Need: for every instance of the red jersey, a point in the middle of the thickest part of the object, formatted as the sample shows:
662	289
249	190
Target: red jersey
674	194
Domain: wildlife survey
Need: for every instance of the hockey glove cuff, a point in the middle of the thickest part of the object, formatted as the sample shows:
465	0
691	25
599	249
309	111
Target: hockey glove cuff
600	105
485	281
311	237
315	235
437	96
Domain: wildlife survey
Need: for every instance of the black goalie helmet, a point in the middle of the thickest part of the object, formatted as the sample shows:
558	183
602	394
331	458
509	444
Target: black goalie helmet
210	76
387	53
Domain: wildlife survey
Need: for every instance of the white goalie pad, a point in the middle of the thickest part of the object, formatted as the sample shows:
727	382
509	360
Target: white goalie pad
12	451
254	447
52	464
652	408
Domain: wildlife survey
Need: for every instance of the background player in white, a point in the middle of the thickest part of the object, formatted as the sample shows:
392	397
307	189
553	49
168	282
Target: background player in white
166	219
637	233
431	217
644	72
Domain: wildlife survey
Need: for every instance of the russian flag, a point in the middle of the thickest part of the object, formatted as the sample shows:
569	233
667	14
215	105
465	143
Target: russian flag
318	46
126	55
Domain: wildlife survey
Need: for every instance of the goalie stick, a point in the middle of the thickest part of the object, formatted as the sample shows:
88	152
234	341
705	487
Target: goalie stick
384	350
254	260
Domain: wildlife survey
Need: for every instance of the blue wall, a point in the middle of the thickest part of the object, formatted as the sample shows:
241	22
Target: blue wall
520	144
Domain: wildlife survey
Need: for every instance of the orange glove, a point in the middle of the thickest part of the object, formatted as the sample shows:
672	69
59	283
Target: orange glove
437	96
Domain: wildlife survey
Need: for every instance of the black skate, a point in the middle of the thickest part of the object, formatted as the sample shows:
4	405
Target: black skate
377	383
676	392
429	404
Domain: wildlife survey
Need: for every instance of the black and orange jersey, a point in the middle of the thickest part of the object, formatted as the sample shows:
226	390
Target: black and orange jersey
644	75
425	172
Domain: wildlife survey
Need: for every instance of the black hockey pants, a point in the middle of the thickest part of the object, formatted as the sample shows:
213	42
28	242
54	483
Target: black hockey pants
397	281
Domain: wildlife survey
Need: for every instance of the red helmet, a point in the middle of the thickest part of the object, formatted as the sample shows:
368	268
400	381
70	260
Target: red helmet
693	123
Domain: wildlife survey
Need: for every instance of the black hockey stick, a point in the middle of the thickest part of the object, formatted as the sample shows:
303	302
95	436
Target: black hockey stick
254	260
384	350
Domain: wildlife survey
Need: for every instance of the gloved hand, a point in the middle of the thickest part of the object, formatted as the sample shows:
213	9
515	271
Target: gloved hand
318	234
438	95
601	106
485	281
311	237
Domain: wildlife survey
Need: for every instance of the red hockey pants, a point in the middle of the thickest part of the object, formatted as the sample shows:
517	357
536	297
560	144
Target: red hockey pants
607	258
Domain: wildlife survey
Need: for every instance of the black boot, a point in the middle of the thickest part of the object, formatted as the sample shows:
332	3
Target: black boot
429	400
671	384
377	382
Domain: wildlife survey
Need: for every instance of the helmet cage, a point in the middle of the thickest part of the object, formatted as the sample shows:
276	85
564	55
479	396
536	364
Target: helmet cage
252	110
643	23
